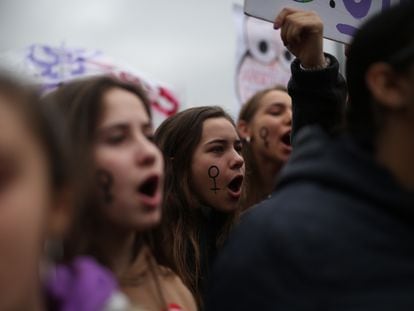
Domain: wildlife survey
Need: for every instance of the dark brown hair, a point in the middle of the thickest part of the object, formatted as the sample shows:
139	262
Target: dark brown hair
376	41
80	102
179	233
254	188
45	125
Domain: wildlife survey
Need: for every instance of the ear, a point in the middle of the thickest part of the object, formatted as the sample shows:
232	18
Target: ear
387	87
61	214
243	129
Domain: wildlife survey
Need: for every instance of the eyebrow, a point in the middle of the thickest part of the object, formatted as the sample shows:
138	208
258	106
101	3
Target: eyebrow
278	104
217	141
123	125
222	141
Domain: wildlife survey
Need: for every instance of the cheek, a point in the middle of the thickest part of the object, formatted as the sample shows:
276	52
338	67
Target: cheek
204	172
113	164
269	128
23	225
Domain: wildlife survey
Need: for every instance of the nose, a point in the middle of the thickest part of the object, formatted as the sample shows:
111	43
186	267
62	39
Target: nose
237	161
288	117
145	153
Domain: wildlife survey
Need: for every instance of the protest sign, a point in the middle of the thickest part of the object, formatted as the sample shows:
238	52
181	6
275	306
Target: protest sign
49	66
262	59
341	18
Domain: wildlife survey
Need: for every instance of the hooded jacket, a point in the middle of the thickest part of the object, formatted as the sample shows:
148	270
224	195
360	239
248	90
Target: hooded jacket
336	235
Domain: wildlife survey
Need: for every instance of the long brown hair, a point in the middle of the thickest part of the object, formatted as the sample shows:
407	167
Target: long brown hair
178	137
254	189
80	103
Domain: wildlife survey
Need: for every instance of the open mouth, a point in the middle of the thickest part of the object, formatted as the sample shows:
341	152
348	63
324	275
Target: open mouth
149	187
286	139
235	184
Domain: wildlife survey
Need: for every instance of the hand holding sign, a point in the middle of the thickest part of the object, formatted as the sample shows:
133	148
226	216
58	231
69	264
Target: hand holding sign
301	32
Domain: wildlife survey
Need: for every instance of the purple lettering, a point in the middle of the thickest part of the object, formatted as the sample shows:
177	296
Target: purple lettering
358	9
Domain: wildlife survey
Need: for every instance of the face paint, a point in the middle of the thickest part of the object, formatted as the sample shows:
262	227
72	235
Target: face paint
213	173
105	181
264	133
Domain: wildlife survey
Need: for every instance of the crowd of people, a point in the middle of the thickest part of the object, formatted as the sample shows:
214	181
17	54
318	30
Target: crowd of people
305	202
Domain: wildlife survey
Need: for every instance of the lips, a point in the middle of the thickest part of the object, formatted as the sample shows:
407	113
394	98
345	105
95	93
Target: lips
149	191
234	186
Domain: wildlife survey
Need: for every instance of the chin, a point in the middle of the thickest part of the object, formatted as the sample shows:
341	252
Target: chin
281	158
149	221
229	208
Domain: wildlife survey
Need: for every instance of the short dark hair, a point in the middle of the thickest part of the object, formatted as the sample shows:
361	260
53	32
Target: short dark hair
387	37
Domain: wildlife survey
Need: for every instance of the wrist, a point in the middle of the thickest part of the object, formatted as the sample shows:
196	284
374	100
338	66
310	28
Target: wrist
320	65
315	60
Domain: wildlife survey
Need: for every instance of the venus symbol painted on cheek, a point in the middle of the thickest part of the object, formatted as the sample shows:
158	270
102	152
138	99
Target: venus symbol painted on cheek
105	181
213	173
264	133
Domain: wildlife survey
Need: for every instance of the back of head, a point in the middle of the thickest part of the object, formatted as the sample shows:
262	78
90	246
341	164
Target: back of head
382	39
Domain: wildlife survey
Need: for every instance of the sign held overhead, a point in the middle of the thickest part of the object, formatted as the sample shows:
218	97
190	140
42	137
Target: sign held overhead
341	18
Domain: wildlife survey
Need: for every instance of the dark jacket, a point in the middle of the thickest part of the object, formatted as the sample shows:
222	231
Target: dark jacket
337	235
213	224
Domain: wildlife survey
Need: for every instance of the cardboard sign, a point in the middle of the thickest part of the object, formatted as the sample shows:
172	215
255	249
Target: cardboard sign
341	18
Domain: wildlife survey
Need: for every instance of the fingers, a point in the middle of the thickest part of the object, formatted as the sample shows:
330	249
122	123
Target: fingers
296	23
280	19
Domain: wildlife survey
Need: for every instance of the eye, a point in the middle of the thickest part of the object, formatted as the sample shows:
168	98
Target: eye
150	137
7	174
275	112
217	149
115	139
238	147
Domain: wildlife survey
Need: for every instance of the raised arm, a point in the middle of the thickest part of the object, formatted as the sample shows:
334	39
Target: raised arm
317	88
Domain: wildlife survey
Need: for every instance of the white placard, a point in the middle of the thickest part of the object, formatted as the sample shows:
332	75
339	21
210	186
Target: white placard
262	59
341	18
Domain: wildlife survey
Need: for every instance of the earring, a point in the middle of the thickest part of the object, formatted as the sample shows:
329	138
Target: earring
247	139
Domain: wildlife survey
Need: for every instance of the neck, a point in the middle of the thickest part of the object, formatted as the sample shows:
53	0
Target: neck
118	247
268	170
395	150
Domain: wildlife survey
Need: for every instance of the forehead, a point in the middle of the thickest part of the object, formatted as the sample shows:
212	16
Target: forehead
218	128
276	97
120	105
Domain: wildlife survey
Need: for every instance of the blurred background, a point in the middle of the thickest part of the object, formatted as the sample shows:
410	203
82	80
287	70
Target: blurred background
190	45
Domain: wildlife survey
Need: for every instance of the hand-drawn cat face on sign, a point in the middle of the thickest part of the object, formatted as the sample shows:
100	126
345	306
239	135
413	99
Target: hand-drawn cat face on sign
265	63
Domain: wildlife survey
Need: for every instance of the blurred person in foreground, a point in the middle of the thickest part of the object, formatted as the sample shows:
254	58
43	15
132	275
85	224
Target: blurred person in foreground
337	234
